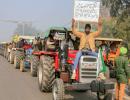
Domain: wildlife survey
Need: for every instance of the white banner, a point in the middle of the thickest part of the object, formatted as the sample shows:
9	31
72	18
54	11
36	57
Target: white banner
86	10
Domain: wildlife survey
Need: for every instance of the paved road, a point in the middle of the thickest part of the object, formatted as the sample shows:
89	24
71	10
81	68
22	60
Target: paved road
16	85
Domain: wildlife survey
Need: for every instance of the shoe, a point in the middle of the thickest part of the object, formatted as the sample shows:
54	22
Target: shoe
101	76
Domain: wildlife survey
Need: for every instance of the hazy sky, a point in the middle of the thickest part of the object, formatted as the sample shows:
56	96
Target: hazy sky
42	13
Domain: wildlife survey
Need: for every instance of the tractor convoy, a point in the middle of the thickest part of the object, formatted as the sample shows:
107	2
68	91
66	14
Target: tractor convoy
51	59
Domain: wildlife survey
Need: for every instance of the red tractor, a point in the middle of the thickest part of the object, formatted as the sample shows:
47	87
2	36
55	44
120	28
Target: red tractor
55	68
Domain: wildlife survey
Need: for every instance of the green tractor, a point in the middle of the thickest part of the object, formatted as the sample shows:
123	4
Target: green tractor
25	62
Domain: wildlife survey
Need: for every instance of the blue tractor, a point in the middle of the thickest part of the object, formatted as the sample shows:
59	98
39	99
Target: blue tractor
25	61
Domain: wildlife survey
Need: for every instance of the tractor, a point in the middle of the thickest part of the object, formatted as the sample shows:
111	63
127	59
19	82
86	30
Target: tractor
54	68
25	62
3	48
20	51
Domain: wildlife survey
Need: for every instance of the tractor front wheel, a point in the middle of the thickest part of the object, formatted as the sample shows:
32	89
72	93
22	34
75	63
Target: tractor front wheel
34	63
22	66
46	73
8	57
58	90
19	56
12	54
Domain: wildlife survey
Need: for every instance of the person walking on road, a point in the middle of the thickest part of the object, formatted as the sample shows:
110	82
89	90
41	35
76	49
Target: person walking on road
122	73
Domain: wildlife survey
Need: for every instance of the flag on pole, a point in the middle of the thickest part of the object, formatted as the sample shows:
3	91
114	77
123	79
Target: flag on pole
102	67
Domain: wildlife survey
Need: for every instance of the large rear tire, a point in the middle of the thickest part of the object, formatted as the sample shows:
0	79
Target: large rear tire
46	73
19	55
12	54
34	63
58	90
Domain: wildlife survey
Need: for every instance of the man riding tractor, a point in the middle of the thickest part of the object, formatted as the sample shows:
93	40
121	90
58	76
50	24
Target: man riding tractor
55	68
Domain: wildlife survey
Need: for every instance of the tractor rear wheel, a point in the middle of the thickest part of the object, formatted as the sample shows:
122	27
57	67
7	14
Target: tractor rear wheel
34	63
46	73
12	54
18	57
58	90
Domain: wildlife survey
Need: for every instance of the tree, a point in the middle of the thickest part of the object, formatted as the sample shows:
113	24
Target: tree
123	30
120	12
108	28
117	7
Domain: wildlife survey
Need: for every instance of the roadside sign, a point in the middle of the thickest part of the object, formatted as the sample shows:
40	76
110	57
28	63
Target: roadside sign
86	10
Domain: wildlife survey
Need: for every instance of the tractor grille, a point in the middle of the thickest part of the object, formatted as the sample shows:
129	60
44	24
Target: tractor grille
87	69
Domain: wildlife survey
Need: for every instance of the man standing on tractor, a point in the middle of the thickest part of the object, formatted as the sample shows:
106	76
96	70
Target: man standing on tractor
87	41
122	73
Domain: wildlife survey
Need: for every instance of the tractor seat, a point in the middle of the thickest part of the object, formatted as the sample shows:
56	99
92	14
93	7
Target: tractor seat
89	52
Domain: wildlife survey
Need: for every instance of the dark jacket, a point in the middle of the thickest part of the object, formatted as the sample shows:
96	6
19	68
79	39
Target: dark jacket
20	44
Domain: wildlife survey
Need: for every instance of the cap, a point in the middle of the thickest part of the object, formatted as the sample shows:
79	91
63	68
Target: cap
123	51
